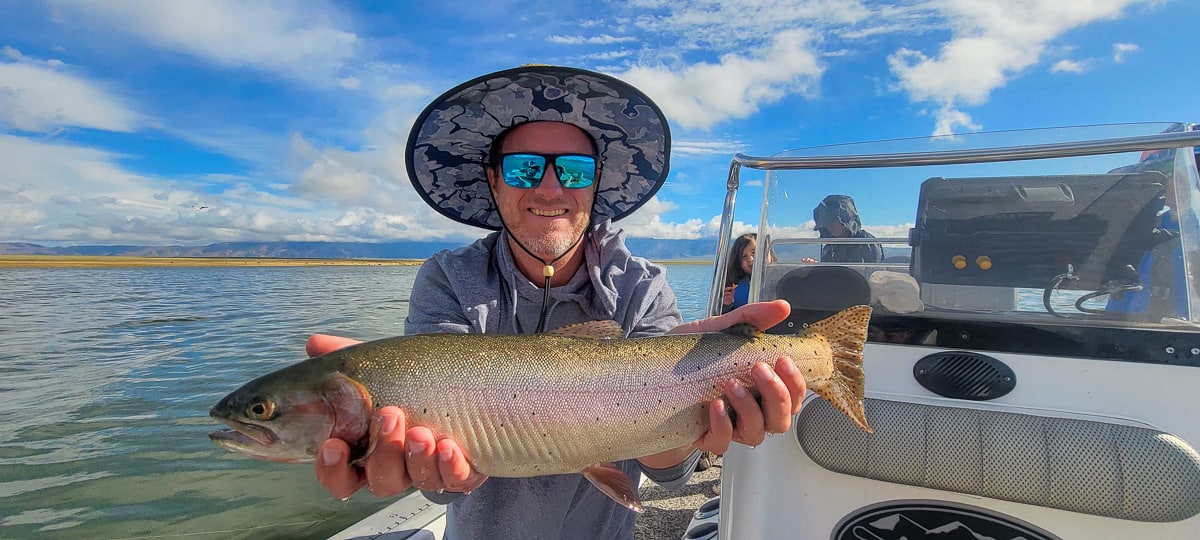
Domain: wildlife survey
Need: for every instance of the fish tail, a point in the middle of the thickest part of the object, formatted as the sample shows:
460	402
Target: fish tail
847	332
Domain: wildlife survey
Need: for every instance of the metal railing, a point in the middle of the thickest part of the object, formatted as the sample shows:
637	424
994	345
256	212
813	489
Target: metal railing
1159	141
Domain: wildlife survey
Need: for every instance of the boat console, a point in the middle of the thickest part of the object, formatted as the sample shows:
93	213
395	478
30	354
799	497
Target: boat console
1034	350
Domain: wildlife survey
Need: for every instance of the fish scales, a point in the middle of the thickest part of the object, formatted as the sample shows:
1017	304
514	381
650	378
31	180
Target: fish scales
521	406
548	403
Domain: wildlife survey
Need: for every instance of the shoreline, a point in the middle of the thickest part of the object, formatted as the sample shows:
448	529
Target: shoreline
123	261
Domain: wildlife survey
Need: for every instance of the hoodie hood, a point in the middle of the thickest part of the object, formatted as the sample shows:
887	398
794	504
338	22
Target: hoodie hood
482	282
836	208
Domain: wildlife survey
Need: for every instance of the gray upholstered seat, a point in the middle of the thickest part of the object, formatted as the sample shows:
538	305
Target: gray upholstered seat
1091	467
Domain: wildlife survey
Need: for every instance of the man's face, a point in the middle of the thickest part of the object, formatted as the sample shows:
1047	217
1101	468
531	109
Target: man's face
546	219
838	230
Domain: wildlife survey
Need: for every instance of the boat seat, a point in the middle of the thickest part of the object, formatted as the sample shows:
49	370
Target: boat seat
816	292
1092	467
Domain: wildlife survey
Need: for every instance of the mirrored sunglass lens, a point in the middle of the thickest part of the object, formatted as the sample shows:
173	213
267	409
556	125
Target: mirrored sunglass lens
523	170
575	171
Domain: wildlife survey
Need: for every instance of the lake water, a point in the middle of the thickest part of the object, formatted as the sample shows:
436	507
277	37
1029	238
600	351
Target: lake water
107	375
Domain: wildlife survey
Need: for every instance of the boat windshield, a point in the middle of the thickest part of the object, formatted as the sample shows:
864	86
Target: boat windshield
1073	242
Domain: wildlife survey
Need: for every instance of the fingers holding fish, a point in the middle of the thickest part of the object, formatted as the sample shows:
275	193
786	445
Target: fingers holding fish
456	472
749	428
720	428
334	473
777	392
386	470
419	460
319	344
791	376
757	314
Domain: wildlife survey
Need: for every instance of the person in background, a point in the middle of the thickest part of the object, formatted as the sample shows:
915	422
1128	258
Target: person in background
548	158
837	217
737	273
1163	290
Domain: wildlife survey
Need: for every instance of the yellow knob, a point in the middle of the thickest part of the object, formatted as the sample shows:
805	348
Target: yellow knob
984	262
959	262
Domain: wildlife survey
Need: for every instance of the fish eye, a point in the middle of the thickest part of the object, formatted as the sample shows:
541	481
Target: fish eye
260	408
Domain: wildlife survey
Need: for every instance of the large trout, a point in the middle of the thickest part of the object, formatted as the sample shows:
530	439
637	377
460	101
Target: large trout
569	401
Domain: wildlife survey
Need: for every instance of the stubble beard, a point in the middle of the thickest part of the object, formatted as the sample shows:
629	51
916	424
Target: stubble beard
554	243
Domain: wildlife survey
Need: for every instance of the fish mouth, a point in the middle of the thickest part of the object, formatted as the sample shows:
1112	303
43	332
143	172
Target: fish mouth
243	435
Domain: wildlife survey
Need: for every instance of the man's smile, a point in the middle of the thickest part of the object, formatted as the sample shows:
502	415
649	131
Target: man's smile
547	213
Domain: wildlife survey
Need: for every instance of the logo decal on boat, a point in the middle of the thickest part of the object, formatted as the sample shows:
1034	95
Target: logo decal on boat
915	519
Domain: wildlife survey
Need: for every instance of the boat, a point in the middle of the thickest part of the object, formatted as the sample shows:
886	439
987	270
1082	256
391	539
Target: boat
1033	363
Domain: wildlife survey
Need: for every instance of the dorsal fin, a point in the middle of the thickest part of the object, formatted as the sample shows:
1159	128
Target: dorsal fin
746	330
590	330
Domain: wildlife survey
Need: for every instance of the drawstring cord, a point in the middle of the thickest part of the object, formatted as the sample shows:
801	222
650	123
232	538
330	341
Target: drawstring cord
547	271
548	267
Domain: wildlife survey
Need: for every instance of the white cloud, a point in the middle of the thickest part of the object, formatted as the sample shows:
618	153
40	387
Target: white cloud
1067	66
732	25
706	148
61	193
703	94
602	39
1120	50
992	42
606	56
37	96
294	40
948	118
647	222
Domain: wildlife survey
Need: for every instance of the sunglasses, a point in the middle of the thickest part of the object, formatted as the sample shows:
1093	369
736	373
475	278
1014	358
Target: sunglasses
526	169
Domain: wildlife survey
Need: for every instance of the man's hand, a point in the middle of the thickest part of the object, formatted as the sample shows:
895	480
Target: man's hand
781	390
402	456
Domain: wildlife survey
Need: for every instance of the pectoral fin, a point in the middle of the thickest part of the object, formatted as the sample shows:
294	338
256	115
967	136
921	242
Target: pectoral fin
615	483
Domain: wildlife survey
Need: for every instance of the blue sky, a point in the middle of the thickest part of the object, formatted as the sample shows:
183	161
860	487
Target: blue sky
192	122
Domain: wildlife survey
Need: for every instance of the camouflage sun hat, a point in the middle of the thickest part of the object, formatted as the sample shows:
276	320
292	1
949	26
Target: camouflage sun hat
448	147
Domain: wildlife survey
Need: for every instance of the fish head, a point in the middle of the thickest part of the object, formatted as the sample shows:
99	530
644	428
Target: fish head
286	415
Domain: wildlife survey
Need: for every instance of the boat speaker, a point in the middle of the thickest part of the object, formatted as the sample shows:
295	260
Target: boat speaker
964	375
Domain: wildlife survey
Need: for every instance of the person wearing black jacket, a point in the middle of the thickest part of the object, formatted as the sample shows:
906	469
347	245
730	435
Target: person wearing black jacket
837	217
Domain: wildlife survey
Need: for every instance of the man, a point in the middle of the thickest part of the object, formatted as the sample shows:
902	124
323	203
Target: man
548	157
837	217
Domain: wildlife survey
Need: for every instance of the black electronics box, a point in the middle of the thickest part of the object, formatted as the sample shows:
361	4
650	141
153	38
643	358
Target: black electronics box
1024	231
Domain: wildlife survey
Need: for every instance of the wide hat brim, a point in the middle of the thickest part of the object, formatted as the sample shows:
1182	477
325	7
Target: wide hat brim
447	150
